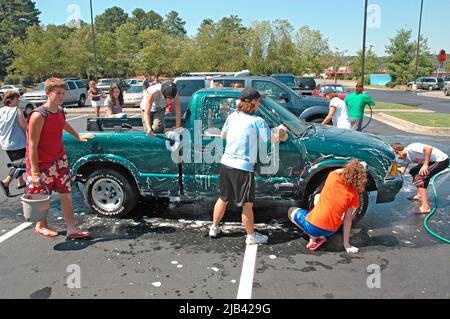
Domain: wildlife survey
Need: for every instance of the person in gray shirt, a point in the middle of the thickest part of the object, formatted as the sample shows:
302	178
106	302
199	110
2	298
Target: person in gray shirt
12	135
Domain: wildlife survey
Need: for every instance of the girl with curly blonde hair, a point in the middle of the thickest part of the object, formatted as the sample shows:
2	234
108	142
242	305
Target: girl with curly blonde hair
337	204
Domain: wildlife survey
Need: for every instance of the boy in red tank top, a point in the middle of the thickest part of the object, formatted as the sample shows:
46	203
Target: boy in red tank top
46	157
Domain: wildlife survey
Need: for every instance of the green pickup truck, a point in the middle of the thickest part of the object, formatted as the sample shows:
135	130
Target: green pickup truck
122	165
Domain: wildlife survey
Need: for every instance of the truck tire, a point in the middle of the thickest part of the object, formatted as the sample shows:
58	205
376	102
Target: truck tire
110	193
360	212
82	101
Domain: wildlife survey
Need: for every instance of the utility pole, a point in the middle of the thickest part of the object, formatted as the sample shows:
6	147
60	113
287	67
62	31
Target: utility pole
364	43
93	42
418	41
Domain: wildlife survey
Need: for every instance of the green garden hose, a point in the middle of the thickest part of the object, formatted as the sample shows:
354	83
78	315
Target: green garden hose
425	222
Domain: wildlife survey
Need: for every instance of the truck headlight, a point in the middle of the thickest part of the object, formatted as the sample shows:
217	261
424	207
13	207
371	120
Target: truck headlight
393	170
44	97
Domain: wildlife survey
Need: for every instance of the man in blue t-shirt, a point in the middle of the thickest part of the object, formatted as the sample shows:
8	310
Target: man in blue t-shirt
243	130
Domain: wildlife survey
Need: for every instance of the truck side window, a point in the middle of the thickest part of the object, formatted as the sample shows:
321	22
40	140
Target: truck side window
215	111
71	86
269	89
189	87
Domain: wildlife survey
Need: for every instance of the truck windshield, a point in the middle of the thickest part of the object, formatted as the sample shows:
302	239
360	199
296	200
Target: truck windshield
40	87
286	118
286	79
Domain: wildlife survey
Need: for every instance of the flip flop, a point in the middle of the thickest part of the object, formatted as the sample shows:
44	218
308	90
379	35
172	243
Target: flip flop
413	198
4	188
317	245
21	186
42	233
79	235
422	213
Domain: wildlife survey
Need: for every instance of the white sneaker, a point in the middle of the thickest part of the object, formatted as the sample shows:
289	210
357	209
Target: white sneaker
256	238
214	231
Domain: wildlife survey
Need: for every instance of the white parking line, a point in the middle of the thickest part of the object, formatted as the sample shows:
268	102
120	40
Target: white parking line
248	271
76	118
15	231
136	115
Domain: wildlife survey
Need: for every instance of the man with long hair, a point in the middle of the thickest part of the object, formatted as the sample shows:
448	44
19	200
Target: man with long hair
242	131
338	202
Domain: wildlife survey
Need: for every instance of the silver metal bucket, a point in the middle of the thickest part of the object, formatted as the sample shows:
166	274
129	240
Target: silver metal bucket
36	206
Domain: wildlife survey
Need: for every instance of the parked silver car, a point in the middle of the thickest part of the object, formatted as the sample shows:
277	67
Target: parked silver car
133	96
75	94
429	83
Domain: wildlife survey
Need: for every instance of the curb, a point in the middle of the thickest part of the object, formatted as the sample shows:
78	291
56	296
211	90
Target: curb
410	127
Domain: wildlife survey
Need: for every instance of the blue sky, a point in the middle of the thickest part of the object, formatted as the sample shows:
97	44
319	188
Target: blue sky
339	21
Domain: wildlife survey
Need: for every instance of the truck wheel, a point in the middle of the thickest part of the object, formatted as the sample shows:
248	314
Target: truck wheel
82	101
109	193
360	212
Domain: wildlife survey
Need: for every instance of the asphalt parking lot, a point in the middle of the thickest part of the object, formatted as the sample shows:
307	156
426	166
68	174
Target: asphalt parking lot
164	252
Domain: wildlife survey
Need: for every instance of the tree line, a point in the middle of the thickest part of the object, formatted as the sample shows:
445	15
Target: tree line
146	42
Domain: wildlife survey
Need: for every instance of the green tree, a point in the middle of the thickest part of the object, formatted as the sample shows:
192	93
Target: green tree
79	62
128	46
286	48
372	64
401	55
15	16
426	64
110	20
41	53
146	20
175	25
312	47
259	36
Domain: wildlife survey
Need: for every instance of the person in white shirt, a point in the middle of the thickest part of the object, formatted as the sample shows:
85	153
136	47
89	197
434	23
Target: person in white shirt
430	161
338	111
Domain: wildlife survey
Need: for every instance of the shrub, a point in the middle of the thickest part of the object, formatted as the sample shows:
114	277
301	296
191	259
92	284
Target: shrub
27	80
12	79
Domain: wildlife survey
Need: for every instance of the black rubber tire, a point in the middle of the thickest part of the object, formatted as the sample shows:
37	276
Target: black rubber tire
82	101
360	212
128	188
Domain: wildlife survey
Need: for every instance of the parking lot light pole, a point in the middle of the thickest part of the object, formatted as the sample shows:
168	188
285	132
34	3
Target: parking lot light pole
364	43
93	42
418	41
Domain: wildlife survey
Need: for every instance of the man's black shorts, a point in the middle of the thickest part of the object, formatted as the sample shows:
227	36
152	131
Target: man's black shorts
434	168
237	185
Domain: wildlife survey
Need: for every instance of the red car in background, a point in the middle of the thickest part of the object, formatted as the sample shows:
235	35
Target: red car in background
338	88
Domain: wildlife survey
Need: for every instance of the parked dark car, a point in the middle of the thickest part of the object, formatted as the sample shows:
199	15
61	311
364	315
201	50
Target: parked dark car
308	108
306	84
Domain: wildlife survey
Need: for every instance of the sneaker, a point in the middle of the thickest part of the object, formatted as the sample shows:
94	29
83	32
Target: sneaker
256	238
214	231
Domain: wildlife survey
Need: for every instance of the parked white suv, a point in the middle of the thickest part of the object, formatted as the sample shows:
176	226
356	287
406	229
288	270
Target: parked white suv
74	94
